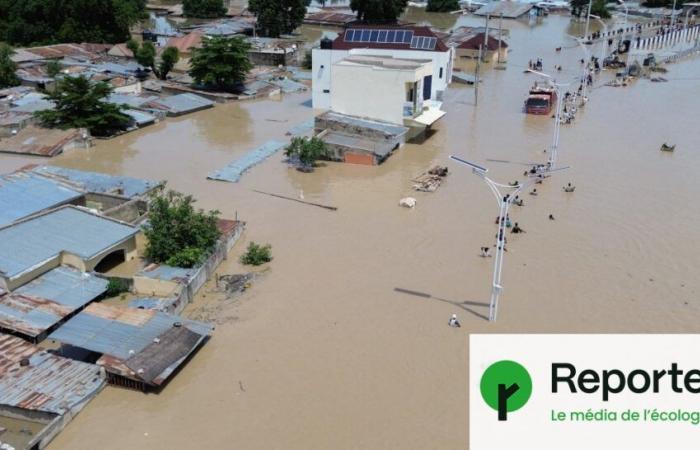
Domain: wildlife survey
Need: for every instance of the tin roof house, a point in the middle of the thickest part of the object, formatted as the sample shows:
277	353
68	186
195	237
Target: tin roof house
139	348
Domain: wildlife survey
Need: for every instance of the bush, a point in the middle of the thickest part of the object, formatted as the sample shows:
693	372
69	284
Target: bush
442	5
187	257
307	151
257	254
116	286
203	9
179	235
308	62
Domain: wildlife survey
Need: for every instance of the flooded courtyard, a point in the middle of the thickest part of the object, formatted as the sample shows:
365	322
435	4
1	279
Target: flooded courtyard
343	343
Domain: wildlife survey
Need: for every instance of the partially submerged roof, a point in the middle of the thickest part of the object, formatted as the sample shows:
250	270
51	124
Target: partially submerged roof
509	9
477	40
24	193
182	103
99	182
166	273
29	243
48	383
361	122
40	141
233	171
141	344
393	37
42	303
383	62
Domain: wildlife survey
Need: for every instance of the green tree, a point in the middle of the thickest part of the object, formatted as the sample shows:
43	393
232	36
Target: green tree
307	151
145	54
80	104
308	60
221	63
53	68
378	11
168	59
257	254
29	22
204	9
276	17
442	5
598	8
8	68
177	233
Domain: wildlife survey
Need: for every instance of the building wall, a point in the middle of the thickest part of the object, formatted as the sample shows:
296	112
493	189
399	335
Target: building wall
377	93
323	60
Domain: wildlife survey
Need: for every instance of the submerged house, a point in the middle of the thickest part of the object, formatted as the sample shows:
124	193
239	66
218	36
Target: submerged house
68	235
138	348
41	392
396	41
394	90
35	309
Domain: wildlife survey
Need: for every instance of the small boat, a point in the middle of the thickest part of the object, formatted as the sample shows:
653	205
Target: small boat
667	148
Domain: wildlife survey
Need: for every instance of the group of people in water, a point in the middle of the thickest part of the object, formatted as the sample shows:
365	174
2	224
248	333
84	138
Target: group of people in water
515	227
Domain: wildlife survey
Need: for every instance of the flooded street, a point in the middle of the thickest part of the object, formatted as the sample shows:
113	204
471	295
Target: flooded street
328	350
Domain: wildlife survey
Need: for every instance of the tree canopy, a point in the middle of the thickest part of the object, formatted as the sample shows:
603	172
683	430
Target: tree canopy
177	234
80	104
221	63
598	8
276	17
8	77
306	151
442	5
145	54
203	9
378	11
38	22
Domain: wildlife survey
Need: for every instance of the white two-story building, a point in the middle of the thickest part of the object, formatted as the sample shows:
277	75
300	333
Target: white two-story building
397	41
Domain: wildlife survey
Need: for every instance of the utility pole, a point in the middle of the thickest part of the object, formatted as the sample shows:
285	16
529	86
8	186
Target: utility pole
476	78
486	34
500	32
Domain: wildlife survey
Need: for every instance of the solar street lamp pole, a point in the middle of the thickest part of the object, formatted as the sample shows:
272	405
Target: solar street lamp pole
504	200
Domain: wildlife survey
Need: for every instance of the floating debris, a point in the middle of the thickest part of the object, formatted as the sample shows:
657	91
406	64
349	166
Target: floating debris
407	202
431	180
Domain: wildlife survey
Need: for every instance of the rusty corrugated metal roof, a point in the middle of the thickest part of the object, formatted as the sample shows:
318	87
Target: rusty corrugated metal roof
40	304
129	337
47	383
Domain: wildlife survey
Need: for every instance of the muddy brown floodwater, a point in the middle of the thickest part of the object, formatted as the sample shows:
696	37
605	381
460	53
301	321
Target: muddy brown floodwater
324	352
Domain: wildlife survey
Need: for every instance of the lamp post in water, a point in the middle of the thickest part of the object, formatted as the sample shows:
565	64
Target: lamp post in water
604	43
504	199
586	70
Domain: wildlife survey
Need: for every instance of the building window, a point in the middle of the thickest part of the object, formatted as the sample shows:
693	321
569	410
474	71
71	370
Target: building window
441	73
326	91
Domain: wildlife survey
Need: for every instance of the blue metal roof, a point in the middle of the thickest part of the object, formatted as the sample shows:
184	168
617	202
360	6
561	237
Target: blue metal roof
134	101
49	383
120	332
43	302
29	243
24	193
140	118
182	103
100	182
166	273
303	128
233	171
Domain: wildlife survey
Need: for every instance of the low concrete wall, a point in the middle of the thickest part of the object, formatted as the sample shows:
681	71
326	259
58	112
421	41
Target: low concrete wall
183	293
